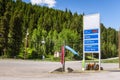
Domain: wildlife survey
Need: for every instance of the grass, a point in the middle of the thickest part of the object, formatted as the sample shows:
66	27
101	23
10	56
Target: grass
110	61
89	59
104	61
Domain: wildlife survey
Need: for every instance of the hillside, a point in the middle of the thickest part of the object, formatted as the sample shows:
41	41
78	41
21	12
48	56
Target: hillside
23	28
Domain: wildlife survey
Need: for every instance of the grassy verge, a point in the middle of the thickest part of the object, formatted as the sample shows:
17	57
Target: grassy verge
110	61
104	61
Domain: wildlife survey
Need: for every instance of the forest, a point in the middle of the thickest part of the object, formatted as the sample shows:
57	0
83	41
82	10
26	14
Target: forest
29	31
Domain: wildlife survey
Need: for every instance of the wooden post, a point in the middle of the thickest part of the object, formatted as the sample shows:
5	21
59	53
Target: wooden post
63	58
119	46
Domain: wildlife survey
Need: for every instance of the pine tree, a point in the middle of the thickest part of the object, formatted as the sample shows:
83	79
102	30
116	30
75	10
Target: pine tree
15	33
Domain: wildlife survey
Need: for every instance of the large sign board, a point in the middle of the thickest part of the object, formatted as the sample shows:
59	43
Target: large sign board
91	34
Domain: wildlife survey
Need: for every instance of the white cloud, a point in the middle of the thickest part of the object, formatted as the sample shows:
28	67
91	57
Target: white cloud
49	3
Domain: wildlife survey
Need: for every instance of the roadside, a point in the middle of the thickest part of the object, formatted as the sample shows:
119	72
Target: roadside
40	70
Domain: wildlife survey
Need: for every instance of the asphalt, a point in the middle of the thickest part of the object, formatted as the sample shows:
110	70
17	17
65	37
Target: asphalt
41	70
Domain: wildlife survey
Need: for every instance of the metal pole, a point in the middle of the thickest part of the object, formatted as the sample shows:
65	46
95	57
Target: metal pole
83	61
119	46
99	61
64	65
99	45
64	58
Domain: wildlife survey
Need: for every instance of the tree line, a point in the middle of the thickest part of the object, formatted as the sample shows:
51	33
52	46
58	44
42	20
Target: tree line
30	31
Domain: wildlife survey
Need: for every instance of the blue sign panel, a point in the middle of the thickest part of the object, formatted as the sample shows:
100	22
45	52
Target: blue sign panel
91	36
91	47
91	31
90	41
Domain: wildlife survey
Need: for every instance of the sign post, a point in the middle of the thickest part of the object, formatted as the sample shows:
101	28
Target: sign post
91	35
119	46
63	58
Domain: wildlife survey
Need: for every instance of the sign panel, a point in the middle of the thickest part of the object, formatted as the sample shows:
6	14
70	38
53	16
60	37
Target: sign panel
91	42
91	31
91	21
91	47
91	34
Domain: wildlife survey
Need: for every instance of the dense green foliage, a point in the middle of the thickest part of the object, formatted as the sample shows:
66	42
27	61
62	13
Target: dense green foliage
24	28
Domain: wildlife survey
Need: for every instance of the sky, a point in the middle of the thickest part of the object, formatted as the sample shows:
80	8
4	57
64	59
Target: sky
109	10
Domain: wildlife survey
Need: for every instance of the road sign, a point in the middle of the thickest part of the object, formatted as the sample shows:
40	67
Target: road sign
90	31
91	48
91	40
91	35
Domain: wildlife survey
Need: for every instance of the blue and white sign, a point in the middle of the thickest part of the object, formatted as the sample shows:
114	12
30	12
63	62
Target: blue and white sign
92	31
91	34
90	41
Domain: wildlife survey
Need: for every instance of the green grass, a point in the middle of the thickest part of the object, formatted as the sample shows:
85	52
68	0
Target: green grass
110	61
104	61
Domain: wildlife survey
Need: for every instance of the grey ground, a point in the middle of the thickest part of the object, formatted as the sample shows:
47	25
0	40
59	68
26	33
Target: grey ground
41	70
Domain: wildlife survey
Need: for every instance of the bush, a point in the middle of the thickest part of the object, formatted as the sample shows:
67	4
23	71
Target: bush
76	57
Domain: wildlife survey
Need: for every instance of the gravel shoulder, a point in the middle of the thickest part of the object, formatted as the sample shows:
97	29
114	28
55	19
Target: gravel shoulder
40	70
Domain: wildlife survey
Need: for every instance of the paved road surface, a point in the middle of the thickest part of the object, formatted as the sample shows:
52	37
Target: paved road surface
40	70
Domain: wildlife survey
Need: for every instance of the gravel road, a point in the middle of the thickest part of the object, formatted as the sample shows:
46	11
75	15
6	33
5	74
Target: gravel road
41	70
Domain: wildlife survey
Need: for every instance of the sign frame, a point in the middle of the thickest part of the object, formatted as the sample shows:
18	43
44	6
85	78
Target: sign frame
91	33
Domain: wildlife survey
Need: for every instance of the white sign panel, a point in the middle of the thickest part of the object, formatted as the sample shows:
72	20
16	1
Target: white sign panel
91	21
91	33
